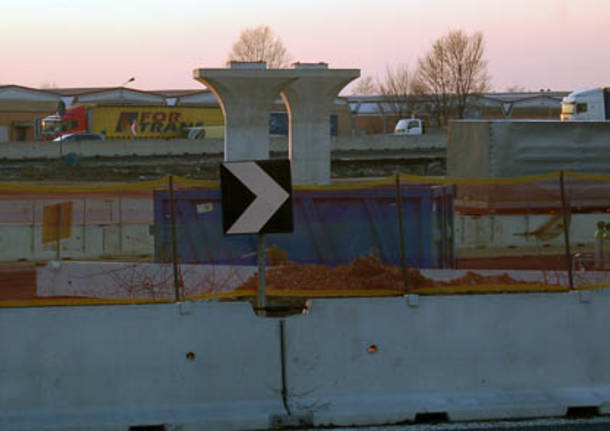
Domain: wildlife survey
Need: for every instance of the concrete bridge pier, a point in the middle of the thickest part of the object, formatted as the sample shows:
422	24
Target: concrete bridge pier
309	101
245	92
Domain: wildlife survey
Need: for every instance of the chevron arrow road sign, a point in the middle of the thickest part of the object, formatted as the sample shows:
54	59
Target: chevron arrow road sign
256	197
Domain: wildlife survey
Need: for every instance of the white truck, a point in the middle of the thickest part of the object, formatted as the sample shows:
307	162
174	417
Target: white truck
592	104
409	126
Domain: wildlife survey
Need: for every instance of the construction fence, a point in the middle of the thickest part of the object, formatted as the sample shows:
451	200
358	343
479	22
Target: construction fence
163	240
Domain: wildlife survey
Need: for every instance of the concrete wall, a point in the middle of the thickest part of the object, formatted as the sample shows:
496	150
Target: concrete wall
349	361
510	231
434	139
178	147
107	227
109	148
128	280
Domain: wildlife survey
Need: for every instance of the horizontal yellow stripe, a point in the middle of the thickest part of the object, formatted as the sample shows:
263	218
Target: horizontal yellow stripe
343	293
348	185
163	183
52	302
179	181
478	181
587	177
69	188
593	286
308	293
489	288
222	295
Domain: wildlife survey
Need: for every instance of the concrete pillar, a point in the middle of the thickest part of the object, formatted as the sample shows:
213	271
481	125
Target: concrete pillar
246	92
310	101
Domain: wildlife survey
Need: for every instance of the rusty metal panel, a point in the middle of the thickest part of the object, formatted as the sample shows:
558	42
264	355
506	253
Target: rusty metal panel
56	222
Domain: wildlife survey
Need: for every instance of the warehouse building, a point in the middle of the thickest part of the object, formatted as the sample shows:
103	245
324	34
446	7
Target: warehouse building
379	114
22	107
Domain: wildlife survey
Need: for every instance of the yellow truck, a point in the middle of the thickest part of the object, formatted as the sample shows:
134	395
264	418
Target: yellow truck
135	122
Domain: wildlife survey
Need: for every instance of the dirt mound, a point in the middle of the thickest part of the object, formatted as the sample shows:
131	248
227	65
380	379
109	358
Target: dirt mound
364	273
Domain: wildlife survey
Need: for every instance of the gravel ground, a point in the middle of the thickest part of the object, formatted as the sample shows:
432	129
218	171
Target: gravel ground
204	167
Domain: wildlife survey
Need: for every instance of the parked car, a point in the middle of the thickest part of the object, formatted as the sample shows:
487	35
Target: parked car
80	136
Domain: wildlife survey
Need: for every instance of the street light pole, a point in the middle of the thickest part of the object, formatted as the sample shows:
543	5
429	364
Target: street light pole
128	81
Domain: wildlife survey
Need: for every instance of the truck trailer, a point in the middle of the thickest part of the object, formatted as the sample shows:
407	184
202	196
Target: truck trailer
513	148
133	121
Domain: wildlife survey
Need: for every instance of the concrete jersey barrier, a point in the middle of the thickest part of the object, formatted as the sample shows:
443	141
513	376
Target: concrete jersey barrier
377	361
214	365
115	367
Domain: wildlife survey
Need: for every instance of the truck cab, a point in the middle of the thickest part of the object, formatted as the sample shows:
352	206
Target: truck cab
409	126
592	104
74	120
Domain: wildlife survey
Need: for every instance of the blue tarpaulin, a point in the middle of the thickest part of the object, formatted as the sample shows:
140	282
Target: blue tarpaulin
332	227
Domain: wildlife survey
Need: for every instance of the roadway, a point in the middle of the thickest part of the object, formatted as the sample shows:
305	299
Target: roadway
601	423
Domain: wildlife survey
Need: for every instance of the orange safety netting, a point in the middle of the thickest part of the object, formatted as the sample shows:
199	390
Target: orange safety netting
163	240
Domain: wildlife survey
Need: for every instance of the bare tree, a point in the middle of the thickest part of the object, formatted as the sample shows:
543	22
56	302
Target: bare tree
47	85
397	89
260	44
397	98
453	71
365	86
516	89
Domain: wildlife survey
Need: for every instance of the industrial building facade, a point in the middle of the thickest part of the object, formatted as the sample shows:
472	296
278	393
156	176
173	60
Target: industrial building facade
21	108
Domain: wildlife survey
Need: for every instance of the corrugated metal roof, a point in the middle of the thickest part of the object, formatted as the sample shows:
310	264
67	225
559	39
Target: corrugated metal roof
17	92
359	104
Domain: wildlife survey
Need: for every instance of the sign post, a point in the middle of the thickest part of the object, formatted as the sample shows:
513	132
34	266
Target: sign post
261	296
257	199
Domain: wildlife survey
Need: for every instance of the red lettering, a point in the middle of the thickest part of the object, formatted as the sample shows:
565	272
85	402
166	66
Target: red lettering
145	116
174	117
159	117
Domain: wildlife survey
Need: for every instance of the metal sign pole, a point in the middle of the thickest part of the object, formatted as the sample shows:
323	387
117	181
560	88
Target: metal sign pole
261	299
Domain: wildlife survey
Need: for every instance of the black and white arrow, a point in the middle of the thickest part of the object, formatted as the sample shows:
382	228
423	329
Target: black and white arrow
269	196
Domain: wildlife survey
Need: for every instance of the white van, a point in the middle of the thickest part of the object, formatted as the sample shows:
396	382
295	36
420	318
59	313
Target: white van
409	126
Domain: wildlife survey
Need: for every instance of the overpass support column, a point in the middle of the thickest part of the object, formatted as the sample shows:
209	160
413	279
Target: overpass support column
310	101
245	92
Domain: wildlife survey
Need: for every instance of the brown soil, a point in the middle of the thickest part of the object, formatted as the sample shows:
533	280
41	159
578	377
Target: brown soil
364	273
17	282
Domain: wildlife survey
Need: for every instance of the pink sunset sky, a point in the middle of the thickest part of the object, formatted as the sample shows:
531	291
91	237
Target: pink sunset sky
554	44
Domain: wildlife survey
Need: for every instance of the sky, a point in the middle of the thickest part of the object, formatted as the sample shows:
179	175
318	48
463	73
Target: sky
534	44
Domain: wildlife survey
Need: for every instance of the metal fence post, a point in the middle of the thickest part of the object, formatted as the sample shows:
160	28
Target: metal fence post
401	234
58	233
172	220
566	227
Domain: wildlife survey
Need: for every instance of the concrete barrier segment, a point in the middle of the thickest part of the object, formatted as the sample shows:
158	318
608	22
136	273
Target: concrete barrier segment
376	361
216	366
348	361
